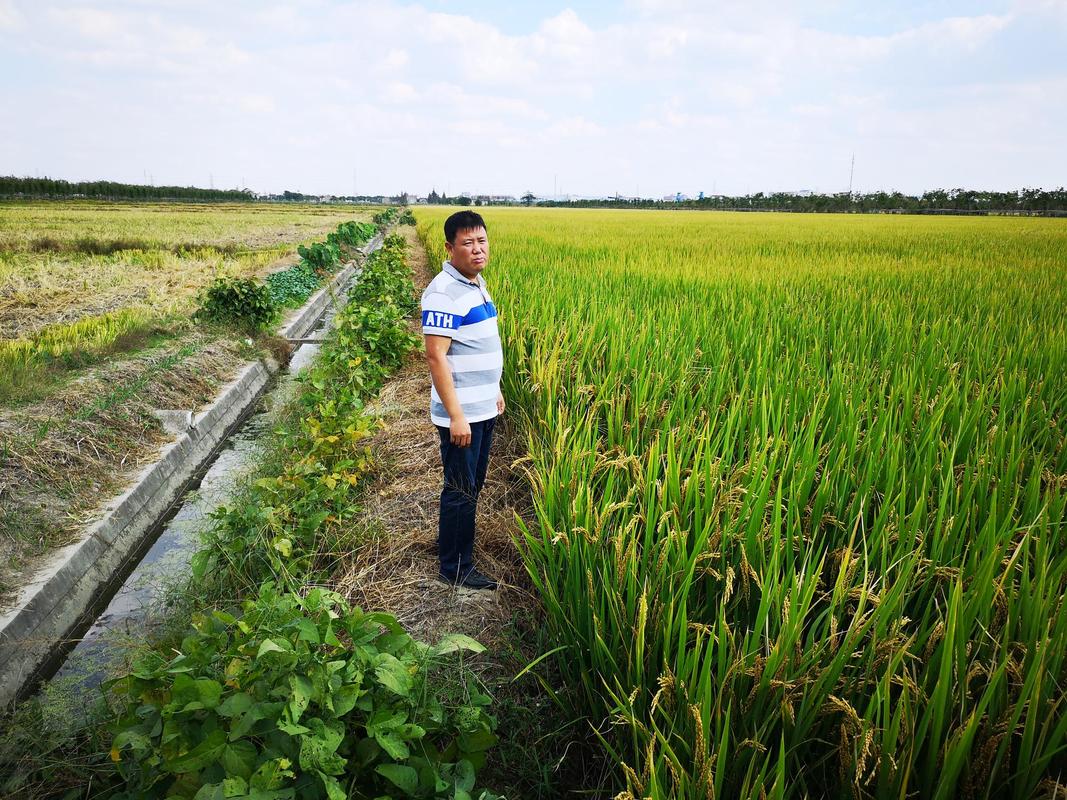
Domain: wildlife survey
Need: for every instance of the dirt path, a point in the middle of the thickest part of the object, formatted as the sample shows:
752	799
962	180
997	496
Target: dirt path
395	570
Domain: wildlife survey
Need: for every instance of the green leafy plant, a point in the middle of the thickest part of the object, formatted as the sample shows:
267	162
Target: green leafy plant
322	256
240	301
352	234
302	697
386	216
292	286
407	217
388	280
276	529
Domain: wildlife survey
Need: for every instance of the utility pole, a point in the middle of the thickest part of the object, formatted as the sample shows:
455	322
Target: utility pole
851	171
211	180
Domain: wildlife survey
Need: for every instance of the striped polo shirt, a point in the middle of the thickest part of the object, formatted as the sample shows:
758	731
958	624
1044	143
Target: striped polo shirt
455	307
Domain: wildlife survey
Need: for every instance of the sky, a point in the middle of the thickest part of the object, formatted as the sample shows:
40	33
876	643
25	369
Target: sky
645	97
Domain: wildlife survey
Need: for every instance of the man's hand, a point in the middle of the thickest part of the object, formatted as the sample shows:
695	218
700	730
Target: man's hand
461	432
499	404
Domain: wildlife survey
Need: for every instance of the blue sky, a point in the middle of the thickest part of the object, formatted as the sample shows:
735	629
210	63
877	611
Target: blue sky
643	97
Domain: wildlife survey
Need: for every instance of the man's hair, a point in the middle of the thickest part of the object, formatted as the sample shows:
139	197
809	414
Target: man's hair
462	221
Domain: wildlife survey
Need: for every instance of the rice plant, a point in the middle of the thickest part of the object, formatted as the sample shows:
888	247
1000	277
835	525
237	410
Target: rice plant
22	361
800	488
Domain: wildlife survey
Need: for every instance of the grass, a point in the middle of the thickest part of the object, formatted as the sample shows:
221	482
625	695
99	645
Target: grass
78	278
62	225
57	743
800	489
32	367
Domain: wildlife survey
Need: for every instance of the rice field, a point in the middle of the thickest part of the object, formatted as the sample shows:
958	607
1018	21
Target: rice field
800	488
76	278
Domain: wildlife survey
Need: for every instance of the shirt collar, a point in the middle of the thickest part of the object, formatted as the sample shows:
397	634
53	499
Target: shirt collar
459	276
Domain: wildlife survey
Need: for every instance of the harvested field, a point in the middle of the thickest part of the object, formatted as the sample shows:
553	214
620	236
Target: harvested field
95	300
80	281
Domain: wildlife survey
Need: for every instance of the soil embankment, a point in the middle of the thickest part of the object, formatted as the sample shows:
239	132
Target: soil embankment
395	570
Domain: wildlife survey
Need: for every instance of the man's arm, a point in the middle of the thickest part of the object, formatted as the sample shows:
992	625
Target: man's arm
441	375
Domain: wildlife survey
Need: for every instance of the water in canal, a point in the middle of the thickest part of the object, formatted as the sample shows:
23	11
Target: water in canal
130	611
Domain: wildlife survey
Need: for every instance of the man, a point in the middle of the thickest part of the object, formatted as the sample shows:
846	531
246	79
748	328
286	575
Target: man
465	358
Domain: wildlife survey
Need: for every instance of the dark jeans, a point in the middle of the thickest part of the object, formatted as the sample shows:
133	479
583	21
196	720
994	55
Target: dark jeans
464	475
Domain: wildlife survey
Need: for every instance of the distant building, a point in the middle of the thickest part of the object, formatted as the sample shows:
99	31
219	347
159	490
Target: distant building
493	199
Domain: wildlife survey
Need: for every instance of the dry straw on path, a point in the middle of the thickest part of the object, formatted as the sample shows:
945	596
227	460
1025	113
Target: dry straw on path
395	568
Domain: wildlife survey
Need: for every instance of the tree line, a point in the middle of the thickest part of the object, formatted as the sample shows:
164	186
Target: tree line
11	186
948	201
52	188
945	201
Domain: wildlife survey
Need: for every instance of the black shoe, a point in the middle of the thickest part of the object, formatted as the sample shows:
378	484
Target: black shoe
471	580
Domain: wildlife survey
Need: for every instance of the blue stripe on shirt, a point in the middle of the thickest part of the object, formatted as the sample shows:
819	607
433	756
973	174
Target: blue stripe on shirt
480	314
438	319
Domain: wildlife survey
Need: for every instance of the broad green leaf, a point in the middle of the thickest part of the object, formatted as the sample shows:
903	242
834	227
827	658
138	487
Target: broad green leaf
235	705
292	728
458	641
405	778
393	745
477	741
385	719
239	758
464	775
410	731
308	630
393	674
271	774
318	747
209	692
334	790
200	756
302	691
269	646
247	721
344	699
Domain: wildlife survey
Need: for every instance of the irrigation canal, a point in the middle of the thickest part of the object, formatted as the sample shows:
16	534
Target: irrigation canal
123	609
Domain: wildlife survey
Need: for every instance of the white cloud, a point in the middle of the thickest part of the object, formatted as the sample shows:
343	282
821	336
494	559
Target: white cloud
258	104
395	59
400	92
742	94
666	41
967	32
572	127
11	18
1056	9
485	54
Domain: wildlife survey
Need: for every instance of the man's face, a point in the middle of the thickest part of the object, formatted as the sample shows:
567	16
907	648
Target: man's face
470	252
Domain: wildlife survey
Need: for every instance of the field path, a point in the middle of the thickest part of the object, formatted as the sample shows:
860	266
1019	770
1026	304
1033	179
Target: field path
395	569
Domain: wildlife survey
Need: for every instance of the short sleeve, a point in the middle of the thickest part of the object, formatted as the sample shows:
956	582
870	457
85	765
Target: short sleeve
440	315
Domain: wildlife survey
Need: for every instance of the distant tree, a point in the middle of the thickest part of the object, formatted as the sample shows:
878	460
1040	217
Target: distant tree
463	200
528	198
11	186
